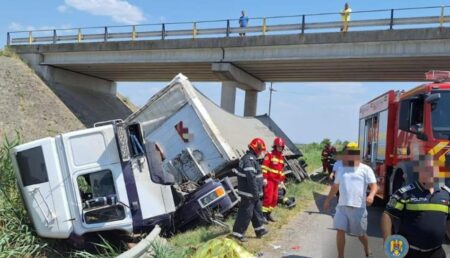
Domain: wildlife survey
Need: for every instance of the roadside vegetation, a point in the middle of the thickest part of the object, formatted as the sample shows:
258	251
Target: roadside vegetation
17	238
7	52
312	152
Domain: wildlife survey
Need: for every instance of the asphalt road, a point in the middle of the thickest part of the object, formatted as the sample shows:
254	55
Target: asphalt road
311	234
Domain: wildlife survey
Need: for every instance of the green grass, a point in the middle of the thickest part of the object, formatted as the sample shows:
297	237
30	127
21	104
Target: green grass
188	242
8	52
312	153
17	238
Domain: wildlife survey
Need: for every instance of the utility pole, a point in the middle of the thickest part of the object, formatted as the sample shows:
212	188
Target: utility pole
270	97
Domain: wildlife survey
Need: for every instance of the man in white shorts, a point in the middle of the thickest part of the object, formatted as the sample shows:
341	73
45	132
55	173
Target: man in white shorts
352	180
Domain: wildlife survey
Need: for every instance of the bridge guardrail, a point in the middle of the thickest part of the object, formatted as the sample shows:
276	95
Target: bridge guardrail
300	24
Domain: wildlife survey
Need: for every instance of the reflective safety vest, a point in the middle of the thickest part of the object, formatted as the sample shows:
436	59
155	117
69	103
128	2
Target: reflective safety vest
345	14
423	215
273	166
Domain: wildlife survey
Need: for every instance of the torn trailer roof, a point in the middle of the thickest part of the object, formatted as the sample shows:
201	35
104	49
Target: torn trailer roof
179	101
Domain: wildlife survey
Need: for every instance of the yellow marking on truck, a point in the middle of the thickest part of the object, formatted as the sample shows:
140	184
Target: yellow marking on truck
437	148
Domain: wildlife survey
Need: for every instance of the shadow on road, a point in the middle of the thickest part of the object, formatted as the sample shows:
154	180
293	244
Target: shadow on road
374	214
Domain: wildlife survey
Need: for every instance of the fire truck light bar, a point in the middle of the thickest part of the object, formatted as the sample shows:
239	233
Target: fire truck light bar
437	76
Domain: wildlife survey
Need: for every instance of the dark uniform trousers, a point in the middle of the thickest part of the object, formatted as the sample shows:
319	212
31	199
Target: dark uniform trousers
250	211
250	184
438	253
423	218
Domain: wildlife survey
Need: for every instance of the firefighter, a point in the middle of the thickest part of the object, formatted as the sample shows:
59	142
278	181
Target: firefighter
422	211
250	184
326	154
272	168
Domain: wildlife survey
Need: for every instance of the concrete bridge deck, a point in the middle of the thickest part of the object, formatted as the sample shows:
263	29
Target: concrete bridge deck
388	55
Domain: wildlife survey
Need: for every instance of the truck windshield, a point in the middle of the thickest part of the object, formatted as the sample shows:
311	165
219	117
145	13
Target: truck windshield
440	116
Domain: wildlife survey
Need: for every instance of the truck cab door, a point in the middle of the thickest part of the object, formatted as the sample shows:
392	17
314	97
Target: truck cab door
42	185
93	163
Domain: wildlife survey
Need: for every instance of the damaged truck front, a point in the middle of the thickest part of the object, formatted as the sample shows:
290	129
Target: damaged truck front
104	179
168	164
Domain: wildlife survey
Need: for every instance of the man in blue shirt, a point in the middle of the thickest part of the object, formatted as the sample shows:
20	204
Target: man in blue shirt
243	21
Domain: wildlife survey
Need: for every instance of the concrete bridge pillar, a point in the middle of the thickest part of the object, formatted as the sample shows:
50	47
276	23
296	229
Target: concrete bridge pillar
234	77
251	101
228	96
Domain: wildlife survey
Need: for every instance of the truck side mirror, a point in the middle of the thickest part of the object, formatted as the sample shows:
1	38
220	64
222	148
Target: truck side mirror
156	167
433	97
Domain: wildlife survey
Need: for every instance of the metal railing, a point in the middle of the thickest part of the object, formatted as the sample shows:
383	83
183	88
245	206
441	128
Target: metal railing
294	24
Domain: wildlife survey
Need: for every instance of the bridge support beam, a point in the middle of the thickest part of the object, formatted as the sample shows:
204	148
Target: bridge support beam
90	99
234	77
228	96
53	75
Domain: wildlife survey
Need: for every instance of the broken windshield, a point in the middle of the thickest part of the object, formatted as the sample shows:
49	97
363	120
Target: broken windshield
440	116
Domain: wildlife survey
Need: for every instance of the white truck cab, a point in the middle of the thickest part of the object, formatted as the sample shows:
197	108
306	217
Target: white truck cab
92	180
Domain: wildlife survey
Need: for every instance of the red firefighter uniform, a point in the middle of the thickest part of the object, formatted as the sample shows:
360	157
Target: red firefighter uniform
326	154
272	168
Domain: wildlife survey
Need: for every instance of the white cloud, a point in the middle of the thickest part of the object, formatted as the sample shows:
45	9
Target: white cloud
62	8
119	10
15	26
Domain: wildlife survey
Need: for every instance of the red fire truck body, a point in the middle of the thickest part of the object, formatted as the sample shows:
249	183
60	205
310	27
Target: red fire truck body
398	130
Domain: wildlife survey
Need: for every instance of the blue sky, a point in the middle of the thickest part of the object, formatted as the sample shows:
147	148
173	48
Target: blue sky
306	111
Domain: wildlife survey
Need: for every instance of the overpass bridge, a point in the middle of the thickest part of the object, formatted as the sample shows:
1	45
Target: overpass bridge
396	48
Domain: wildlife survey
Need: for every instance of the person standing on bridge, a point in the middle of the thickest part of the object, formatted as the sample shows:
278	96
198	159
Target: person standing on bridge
352	180
250	189
243	21
345	16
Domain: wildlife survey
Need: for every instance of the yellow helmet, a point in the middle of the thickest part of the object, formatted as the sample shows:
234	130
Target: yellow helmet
352	146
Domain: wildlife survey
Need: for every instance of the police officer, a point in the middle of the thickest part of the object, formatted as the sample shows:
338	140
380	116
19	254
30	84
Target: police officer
423	212
250	184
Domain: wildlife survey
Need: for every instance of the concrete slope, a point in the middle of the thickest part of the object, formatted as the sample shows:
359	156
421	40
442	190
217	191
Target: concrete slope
36	110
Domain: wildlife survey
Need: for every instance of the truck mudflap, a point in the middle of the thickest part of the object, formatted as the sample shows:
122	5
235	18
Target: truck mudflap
208	203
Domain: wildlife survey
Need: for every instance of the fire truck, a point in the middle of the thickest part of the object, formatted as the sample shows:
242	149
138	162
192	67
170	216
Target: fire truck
400	128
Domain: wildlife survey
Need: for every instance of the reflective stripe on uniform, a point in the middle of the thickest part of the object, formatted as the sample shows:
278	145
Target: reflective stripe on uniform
250	169
240	174
277	160
237	234
259	175
423	250
271	170
245	194
265	209
399	206
426	207
259	228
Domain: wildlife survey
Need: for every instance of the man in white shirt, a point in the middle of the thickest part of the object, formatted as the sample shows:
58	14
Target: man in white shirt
352	180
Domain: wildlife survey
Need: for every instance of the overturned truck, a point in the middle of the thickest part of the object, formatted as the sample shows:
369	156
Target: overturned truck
168	164
184	123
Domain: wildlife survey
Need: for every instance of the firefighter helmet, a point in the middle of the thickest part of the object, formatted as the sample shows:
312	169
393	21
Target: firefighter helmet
257	145
278	142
